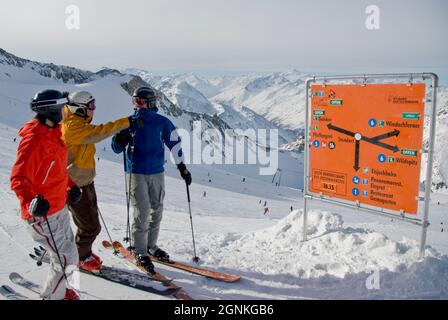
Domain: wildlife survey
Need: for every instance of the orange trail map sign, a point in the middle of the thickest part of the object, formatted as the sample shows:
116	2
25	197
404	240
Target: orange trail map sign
366	143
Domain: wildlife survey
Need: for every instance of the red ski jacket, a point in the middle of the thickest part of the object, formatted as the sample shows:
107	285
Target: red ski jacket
41	167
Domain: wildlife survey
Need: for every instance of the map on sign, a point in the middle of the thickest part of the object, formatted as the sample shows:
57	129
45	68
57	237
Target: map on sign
366	143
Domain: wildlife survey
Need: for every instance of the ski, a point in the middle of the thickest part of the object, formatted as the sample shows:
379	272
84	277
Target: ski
21	281
124	253
11	294
211	274
40	256
123	277
215	275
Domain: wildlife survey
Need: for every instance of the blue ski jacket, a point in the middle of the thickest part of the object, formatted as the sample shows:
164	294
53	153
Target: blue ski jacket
148	154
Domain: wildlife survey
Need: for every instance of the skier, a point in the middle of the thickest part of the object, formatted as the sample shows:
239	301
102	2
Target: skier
265	211
80	137
40	180
145	162
205	194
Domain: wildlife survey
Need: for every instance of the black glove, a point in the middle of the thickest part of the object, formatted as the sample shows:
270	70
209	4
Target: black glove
121	139
135	122
184	173
74	195
39	206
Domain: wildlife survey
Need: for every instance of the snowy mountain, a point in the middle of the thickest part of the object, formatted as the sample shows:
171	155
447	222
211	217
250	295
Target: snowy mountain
21	69
192	93
279	99
21	78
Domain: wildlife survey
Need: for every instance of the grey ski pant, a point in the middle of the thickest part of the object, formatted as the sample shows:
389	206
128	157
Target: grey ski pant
55	285
147	194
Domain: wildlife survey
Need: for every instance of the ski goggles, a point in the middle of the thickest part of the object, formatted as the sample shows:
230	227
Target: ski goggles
137	101
49	105
91	105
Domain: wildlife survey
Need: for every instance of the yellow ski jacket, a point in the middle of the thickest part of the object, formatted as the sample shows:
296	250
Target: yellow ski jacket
80	137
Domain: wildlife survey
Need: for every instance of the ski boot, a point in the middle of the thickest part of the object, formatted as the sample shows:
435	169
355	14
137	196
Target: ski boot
90	264
145	262
161	255
71	294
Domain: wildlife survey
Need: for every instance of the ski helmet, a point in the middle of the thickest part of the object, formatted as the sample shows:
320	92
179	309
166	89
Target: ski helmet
148	95
80	101
48	104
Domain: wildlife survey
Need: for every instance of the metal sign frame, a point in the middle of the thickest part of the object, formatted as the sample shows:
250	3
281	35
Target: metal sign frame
412	78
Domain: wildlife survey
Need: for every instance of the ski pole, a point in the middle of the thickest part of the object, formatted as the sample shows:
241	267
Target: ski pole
131	157
107	230
195	258
126	239
56	249
39	255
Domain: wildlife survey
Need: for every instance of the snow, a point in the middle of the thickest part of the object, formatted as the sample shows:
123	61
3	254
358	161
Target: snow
232	235
348	255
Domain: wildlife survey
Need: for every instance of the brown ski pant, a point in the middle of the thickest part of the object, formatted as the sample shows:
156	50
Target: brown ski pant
85	215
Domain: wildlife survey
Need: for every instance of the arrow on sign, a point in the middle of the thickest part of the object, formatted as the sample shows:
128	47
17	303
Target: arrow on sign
356	166
346	132
386	135
381	144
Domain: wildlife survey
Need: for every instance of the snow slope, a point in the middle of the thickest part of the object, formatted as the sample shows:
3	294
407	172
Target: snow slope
233	235
345	247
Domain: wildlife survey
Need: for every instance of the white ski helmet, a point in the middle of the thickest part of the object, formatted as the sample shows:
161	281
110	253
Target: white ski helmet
80	100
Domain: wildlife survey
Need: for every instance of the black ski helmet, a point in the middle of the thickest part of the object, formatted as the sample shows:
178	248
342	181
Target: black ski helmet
147	94
48	104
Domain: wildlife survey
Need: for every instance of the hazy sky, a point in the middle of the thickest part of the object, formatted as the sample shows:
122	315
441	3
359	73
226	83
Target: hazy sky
180	35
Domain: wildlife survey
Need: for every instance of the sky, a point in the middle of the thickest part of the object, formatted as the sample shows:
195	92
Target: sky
226	35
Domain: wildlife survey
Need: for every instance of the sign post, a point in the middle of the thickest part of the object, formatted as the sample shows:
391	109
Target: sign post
364	145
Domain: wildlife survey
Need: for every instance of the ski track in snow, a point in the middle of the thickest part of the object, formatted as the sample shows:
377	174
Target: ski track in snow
233	236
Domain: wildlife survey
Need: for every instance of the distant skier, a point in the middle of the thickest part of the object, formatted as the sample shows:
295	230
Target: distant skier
40	179
15	139
265	211
205	194
146	166
80	137
292	209
265	203
244	179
